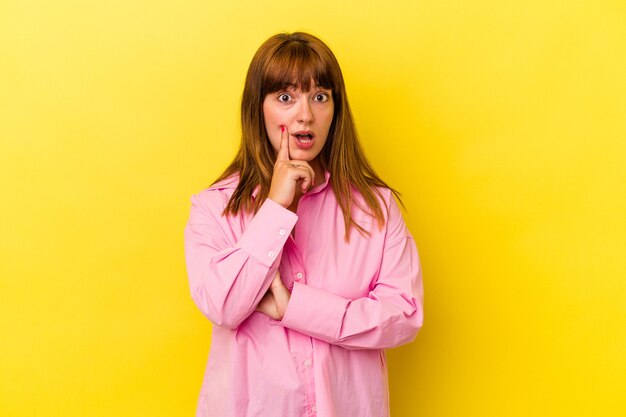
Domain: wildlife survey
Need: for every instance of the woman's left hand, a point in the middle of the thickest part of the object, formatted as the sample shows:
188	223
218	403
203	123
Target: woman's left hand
281	295
274	302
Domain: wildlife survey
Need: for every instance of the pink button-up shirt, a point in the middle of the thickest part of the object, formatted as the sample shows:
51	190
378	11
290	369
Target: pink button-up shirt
349	301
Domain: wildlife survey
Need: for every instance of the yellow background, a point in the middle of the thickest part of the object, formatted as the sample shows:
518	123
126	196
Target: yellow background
502	123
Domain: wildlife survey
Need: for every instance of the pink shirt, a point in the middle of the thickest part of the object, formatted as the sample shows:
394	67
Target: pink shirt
349	302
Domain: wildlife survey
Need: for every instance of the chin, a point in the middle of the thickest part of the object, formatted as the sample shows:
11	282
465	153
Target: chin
304	155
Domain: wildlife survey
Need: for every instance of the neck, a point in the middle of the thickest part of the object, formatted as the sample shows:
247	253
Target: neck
319	171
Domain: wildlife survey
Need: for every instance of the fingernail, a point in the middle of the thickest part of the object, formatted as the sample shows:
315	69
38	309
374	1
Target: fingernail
282	128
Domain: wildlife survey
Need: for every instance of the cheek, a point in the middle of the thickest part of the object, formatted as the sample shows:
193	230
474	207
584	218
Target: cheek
272	112
275	141
328	119
274	136
272	127
329	114
270	117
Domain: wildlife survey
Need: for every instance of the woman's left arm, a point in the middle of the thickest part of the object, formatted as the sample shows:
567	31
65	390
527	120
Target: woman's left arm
389	316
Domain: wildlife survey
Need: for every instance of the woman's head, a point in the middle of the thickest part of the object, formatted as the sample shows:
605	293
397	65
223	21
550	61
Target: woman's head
293	80
303	67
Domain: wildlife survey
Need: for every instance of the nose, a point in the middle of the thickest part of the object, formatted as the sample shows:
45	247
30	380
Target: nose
305	115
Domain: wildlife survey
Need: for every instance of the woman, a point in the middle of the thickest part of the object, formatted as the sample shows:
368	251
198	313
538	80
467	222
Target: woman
298	252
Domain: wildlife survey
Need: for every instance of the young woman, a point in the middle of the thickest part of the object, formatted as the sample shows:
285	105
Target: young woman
298	253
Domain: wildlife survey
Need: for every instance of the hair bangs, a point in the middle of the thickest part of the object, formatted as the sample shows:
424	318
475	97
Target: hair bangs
296	65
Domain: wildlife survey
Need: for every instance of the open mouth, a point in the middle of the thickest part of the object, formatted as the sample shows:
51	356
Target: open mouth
304	138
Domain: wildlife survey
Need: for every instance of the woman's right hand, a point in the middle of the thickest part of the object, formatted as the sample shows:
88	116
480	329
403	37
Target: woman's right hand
289	174
274	302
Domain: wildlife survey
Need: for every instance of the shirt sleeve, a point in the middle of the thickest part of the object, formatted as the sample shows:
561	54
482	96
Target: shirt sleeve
228	278
389	316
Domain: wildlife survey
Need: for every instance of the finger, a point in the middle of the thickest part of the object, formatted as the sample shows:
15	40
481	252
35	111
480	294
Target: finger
266	305
281	300
306	180
263	303
309	180
303	175
277	281
283	151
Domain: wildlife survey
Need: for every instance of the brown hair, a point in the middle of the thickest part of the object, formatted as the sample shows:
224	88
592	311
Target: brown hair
295	60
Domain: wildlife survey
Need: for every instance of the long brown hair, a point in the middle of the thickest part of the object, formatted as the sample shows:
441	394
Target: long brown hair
295	60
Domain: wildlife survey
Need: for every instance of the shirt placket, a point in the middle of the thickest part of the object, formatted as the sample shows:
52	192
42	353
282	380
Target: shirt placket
301	344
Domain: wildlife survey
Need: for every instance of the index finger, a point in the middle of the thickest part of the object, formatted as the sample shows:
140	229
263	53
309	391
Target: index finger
283	151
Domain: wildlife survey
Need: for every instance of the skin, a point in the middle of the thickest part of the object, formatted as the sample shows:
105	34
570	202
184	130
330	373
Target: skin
295	170
296	110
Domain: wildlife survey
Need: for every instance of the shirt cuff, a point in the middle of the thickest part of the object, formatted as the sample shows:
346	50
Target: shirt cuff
267	232
315	312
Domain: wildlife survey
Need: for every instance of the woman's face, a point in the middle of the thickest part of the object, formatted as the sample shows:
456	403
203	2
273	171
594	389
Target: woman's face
307	117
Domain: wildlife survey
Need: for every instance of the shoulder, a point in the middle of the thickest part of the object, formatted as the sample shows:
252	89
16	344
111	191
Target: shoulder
363	208
395	226
214	198
383	195
390	207
229	183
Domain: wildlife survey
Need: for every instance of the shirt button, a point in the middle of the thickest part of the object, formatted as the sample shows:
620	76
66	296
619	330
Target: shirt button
271	254
299	275
307	363
282	232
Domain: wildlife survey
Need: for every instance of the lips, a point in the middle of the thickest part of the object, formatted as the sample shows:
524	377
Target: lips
304	139
304	135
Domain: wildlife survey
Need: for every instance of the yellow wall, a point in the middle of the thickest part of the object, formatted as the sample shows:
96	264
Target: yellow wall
503	124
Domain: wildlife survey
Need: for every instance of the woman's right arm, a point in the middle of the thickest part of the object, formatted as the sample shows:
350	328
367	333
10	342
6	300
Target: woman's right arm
228	276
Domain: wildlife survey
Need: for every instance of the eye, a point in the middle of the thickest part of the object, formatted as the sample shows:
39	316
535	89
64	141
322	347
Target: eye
284	97
321	97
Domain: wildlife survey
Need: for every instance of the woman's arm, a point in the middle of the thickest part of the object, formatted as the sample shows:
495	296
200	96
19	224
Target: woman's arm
391	314
228	279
